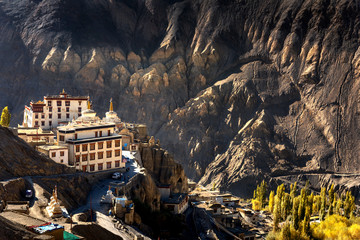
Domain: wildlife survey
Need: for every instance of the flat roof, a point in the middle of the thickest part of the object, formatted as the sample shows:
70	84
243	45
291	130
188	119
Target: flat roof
83	127
97	139
52	147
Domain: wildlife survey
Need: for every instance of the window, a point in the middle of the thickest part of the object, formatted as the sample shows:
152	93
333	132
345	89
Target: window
67	115
62	161
100	155
36	116
50	109
67	109
117	153
117	163
50	123
92	167
100	145
62	138
75	135
84	158
100	166
96	134
92	146
67	103
58	103
36	123
100	133
62	153
53	154
79	103
79	109
108	154
42	123
50	115
77	157
59	115
108	165
42	115
133	148
92	156
108	144
77	148
117	143
108	132
84	147
49	103
59	109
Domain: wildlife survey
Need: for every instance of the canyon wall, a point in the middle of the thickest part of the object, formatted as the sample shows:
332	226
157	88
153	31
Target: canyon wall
236	90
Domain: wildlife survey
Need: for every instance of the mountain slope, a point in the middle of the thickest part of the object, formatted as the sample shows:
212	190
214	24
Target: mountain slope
237	90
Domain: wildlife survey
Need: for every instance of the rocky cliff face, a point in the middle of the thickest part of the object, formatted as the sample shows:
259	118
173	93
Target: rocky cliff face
235	89
161	165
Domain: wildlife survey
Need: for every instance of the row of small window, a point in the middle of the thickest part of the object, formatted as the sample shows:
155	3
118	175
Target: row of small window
100	166
53	154
100	155
59	110
59	103
50	122
84	147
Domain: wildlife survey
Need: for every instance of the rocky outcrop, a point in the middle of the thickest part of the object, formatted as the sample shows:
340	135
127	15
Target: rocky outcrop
161	165
236	90
17	158
72	190
143	188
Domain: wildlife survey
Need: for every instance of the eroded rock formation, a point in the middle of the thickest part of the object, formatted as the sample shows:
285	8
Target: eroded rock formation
235	89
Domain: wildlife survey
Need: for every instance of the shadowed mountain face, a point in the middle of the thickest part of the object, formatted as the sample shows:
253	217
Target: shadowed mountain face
237	90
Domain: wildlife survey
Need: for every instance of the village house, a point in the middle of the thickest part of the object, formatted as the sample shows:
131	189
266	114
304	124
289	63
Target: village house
176	203
54	110
58	153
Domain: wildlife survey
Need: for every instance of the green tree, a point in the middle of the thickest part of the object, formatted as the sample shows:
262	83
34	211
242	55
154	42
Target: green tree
331	194
295	215
306	222
276	214
271	201
338	207
349	205
323	204
5	117
310	202
285	206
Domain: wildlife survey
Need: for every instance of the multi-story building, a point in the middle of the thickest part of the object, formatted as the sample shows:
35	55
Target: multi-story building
93	146
54	110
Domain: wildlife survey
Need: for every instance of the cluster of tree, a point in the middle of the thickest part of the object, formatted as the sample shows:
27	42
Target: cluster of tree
295	211
5	117
259	200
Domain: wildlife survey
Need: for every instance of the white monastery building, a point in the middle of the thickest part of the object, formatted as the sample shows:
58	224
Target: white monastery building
54	110
93	144
59	154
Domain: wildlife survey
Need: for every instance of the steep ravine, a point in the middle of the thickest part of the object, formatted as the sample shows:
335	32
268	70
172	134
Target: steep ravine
237	90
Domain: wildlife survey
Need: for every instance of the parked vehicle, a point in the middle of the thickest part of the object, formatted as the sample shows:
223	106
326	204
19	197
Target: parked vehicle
116	175
28	194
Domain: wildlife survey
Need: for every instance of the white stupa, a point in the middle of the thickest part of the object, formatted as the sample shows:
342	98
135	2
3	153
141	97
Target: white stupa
108	197
111	116
53	208
88	116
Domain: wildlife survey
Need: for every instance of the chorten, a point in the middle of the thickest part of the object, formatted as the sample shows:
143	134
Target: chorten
88	115
111	116
53	208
